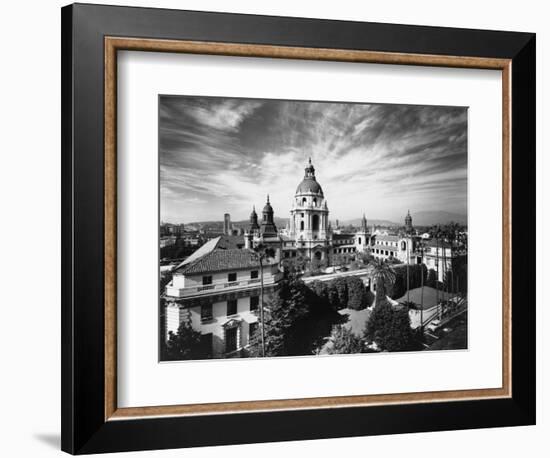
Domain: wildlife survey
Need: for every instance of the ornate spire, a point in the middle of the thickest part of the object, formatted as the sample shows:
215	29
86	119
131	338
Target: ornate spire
408	220
310	170
254	226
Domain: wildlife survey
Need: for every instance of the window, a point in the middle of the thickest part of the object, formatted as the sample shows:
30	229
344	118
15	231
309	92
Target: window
254	303
230	340
252	329
232	276
207	280
315	222
359	240
232	307
254	273
304	200
314	201
206	312
301	225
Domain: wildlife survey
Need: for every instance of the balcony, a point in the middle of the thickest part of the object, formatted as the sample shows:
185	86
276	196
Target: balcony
193	291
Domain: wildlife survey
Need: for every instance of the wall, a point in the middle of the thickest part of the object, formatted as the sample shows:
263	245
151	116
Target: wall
30	203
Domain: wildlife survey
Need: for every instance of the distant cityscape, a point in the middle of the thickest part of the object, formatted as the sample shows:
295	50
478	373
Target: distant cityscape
226	286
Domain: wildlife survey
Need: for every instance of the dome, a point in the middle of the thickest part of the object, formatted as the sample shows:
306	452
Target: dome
268	208
309	185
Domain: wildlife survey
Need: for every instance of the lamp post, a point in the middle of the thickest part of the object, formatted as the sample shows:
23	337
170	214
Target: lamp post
261	253
421	247
408	266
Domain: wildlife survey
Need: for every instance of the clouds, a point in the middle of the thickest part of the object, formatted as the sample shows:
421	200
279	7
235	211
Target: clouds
222	155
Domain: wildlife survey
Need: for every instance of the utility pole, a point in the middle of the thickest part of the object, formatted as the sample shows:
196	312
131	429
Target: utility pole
262	253
262	331
421	246
408	265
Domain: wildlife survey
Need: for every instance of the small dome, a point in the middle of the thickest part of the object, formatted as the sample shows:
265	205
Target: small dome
268	208
309	185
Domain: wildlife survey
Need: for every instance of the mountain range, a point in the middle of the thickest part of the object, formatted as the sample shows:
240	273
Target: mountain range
422	218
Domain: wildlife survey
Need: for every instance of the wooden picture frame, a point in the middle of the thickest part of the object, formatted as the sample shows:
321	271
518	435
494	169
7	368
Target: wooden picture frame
91	419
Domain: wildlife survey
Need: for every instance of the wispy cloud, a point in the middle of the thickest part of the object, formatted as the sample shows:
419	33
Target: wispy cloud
224	155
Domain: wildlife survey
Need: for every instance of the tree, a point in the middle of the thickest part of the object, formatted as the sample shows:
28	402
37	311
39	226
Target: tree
341	286
316	265
431	280
185	344
357	295
344	341
339	260
384	274
417	272
365	257
287	310
390	328
339	293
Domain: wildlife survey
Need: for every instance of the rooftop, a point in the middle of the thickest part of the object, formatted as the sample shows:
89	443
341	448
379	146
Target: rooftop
220	260
388	238
384	247
222	242
342	236
428	298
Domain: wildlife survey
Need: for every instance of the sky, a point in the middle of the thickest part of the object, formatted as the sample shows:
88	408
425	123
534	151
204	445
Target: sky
224	155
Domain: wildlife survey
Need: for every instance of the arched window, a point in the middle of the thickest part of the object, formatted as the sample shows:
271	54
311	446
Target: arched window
315	201
403	245
315	222
359	240
304	200
301	225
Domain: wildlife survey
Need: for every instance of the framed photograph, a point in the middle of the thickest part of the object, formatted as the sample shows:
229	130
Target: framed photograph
274	221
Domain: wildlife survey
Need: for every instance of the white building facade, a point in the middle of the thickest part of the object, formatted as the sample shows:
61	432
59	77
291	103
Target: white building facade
218	294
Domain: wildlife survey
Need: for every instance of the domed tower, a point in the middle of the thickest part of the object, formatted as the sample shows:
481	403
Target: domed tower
254	226
309	216
408	222
268	228
362	237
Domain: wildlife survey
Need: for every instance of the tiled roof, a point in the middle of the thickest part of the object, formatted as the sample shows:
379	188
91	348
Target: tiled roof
342	236
221	260
222	242
428	297
227	242
385	247
389	238
206	248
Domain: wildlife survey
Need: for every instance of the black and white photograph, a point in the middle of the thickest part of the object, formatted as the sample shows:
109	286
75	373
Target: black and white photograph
303	228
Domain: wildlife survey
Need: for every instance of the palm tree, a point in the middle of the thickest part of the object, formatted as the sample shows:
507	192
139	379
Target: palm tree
383	273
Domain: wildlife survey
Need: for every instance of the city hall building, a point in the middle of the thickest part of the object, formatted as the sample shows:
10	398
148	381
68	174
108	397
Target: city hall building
216	290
